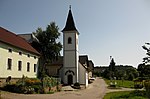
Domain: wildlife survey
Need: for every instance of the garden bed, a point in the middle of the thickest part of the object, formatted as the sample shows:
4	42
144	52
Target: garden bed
34	85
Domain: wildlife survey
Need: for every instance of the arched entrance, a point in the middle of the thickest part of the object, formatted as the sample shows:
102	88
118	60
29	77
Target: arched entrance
70	79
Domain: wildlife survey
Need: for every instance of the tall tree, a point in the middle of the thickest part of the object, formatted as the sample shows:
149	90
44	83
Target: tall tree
147	58
47	45
144	68
112	65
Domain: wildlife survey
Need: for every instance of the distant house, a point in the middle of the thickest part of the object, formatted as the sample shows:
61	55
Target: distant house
85	69
53	69
123	67
29	37
17	57
100	69
90	69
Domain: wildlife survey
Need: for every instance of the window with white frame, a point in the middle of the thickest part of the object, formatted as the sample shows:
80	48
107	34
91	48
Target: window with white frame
10	50
28	67
34	67
19	65
9	64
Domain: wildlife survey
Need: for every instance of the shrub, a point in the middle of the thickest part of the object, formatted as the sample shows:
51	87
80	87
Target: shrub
138	83
37	88
138	86
32	85
131	77
19	89
50	92
147	87
50	82
76	85
10	88
25	81
32	81
25	85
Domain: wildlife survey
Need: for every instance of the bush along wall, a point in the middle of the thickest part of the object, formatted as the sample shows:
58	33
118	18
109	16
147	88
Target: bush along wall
27	85
51	84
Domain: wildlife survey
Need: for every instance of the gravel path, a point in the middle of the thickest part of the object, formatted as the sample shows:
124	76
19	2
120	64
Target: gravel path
121	89
96	90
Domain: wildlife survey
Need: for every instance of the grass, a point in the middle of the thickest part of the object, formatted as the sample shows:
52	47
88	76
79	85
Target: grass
120	83
126	95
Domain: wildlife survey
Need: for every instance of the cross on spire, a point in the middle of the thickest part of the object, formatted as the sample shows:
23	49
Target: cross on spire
69	7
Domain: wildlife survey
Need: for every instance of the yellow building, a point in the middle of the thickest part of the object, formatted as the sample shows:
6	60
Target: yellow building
17	57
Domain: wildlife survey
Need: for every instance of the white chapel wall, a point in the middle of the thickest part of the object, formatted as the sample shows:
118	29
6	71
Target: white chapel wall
82	74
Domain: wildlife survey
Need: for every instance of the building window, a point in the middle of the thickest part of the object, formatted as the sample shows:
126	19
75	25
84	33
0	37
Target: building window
28	66
9	63
69	40
20	53
10	50
28	55
19	65
34	67
34	57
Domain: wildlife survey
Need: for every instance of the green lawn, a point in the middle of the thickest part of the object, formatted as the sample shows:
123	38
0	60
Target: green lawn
126	95
124	83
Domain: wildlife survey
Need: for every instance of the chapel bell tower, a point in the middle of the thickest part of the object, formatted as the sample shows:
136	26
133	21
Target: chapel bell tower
70	51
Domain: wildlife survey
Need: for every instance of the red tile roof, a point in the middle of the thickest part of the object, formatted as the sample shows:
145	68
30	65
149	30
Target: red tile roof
15	40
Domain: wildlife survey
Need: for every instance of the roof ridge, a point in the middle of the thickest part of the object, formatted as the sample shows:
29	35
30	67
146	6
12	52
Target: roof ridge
11	38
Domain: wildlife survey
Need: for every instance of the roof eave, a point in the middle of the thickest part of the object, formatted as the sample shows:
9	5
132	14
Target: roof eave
37	53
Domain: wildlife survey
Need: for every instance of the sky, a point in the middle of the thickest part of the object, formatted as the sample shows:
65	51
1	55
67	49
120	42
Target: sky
116	28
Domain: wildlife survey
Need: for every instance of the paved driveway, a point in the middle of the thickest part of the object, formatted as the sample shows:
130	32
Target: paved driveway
96	90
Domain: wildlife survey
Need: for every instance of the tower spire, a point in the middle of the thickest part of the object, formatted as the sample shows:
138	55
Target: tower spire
70	25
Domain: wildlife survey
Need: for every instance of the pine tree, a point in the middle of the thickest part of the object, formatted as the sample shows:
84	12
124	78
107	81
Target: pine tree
112	65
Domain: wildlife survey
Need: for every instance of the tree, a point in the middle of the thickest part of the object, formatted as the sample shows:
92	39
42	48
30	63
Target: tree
147	58
131	73
119	74
140	69
112	65
144	70
106	74
47	45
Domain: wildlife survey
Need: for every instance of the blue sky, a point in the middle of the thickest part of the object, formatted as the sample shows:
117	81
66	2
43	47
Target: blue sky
107	28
